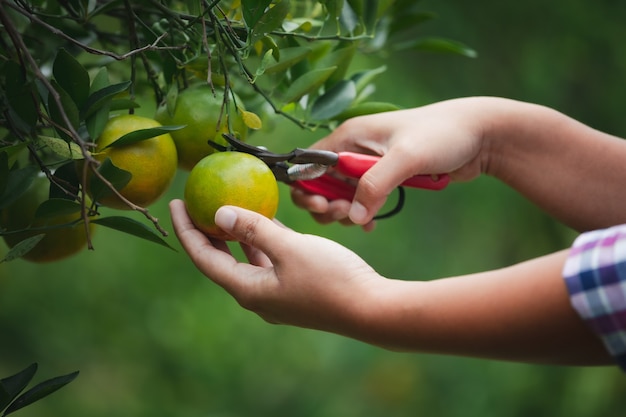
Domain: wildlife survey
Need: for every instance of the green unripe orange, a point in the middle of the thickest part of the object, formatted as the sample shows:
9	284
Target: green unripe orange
200	111
229	178
58	243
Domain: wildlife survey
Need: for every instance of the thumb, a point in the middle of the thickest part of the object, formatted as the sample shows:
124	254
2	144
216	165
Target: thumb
251	228
375	186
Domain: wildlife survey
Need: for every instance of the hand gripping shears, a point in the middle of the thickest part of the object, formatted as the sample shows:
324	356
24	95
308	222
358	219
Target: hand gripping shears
308	170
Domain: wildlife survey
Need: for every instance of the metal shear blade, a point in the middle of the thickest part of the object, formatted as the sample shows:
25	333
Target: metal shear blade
299	164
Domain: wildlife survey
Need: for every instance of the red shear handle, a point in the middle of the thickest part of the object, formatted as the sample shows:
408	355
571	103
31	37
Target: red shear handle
354	165
327	186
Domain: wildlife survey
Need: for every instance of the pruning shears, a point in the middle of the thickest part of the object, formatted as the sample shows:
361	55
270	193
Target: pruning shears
308	170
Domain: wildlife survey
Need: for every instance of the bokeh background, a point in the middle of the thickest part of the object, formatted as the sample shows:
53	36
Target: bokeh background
152	337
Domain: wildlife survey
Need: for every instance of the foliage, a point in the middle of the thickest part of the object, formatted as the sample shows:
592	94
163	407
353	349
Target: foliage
65	67
12	386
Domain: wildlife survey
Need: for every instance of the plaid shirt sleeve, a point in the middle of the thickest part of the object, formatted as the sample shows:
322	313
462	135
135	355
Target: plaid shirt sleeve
595	275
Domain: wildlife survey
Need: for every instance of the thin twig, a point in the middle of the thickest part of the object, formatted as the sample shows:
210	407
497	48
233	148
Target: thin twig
94	51
321	38
205	44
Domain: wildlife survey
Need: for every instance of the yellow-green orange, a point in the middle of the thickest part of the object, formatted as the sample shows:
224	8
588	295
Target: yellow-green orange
199	110
58	243
229	178
152	162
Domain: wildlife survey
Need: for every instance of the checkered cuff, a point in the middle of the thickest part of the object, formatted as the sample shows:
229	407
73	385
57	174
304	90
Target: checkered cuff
595	275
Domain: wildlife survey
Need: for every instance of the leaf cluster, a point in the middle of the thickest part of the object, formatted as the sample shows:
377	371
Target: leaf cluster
67	66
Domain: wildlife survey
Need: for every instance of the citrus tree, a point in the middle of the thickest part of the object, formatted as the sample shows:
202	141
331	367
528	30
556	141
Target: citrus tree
74	72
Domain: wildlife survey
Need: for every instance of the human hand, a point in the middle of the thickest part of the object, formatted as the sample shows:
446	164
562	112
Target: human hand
445	137
285	281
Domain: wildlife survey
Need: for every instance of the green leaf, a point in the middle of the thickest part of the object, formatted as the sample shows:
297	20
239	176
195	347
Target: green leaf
171	99
100	97
96	122
340	58
54	207
71	110
364	78
20	97
271	20
300	24
98	105
370	107
11	386
124	104
116	176
100	81
61	147
267	58
21	249
253	10
17	183
66	174
438	45
357	6
307	83
331	17
72	77
271	44
370	14
40	391
348	18
132	227
13	151
334	101
142	134
288	58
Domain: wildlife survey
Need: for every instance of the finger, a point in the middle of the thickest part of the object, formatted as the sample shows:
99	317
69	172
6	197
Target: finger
254	230
255	256
376	184
369	226
338	210
189	236
311	202
327	211
196	244
216	263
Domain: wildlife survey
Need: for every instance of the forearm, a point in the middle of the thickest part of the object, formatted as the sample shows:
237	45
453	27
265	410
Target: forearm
571	171
521	313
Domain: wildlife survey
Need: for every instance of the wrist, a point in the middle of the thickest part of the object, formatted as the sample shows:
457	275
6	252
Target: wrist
387	314
514	132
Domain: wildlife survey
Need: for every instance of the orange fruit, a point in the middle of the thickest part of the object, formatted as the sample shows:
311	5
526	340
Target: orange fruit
152	162
58	243
200	111
229	178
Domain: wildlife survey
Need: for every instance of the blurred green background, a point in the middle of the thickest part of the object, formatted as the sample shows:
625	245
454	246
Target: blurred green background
152	337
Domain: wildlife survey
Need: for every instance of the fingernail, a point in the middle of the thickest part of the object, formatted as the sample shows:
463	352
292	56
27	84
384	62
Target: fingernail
358	213
225	218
